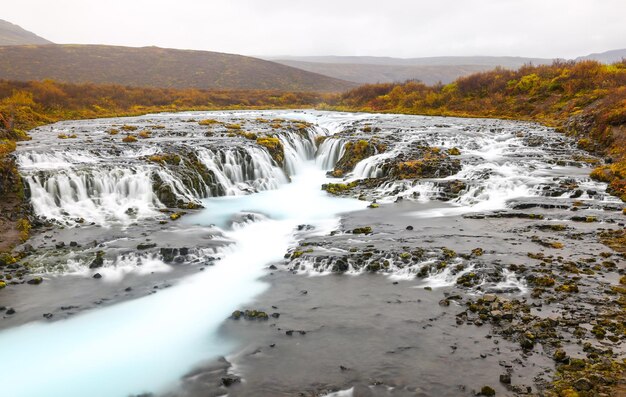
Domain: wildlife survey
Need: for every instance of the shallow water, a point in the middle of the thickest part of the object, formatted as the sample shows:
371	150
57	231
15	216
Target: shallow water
147	344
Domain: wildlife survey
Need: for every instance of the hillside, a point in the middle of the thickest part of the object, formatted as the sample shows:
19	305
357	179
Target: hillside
605	57
493	61
157	67
11	34
372	73
430	70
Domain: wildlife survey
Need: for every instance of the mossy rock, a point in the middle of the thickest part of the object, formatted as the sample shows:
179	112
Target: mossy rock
275	148
362	230
353	153
339	188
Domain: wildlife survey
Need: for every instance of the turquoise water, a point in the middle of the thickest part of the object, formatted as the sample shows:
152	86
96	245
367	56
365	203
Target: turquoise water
147	344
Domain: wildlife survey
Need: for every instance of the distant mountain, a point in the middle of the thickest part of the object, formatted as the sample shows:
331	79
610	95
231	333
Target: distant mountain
157	67
11	34
372	73
509	62
607	56
383	69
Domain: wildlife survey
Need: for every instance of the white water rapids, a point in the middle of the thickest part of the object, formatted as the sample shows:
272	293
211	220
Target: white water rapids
147	344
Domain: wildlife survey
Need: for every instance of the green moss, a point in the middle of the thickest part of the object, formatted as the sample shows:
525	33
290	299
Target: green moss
362	230
353	153
338	188
208	122
274	147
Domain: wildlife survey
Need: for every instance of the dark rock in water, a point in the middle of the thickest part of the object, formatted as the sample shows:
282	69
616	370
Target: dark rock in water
73	244
97	276
305	227
487	391
128	289
272	267
35	281
275	315
145	246
169	254
505	378
527	344
183	251
409	227
10	311
230	380
98	260
48	315
250	315
362	230
60	245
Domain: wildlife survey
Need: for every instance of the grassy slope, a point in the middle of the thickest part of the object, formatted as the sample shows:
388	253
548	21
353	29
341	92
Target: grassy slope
157	67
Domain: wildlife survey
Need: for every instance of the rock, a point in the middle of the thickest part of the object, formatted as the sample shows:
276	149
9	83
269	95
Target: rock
409	227
48	315
487	391
168	254
527	344
73	244
98	260
145	246
560	355
362	230
35	281
97	276
583	384
489	298
10	311
230	380
60	245
505	378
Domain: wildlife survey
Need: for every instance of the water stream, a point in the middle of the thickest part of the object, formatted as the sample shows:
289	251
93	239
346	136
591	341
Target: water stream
147	344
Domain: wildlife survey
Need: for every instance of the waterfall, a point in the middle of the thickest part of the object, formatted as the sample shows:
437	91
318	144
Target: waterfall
329	152
68	186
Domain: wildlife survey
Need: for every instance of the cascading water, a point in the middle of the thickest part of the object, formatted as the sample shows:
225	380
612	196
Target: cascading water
82	355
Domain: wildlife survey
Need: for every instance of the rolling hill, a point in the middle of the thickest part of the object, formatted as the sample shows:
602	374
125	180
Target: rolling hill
157	67
11	34
430	70
372	73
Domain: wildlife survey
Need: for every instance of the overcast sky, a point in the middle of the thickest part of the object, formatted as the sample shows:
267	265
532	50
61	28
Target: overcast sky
399	28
